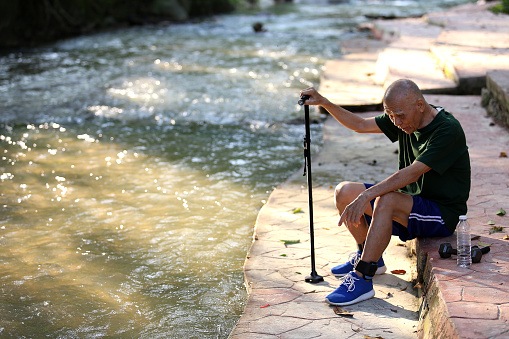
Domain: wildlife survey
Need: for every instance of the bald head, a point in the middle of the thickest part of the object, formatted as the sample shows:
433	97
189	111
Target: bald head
402	91
406	107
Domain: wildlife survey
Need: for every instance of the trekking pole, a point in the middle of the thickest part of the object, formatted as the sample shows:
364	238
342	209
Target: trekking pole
313	277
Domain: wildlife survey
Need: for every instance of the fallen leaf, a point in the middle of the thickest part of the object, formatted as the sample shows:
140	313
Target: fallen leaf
483	244
476	237
356	329
283	255
491	222
495	229
398	271
503	154
403	289
297	210
265	306
418	285
290	242
298	273
369	337
506	237
395	311
342	312
501	212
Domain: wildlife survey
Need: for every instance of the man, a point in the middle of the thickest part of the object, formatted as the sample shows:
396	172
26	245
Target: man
424	198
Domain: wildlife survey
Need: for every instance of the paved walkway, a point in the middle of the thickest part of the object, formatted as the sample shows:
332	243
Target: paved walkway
451	302
281	304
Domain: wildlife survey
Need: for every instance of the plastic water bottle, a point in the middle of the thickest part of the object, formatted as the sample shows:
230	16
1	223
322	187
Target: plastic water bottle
464	242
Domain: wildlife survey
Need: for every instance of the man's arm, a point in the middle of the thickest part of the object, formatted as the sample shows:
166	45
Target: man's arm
397	180
344	117
353	212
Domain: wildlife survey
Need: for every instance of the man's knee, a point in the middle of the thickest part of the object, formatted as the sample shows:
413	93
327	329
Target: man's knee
388	200
398	204
347	191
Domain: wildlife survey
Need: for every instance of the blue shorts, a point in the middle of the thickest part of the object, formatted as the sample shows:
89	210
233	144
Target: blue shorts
425	220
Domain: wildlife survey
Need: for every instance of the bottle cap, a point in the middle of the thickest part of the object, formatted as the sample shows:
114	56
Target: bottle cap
463	217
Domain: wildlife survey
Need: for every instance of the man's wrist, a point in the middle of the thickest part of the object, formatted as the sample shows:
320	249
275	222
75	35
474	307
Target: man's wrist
326	103
365	195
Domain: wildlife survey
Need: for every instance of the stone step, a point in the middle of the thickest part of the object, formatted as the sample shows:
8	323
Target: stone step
444	53
349	81
496	96
392	30
408	55
474	42
468	66
417	65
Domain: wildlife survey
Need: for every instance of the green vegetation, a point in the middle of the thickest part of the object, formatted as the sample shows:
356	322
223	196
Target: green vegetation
29	22
502	7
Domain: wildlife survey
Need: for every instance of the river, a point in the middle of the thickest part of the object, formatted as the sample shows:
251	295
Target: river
134	163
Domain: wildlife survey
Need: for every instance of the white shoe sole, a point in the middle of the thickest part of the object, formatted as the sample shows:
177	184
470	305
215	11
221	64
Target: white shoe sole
379	270
360	298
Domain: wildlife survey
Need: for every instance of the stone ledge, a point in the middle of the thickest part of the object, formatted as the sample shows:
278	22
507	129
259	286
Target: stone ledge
496	95
434	319
471	303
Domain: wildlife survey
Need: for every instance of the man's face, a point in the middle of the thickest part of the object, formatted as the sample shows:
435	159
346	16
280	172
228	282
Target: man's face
406	117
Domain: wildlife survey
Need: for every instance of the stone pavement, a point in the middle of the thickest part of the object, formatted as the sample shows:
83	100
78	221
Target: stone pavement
451	302
281	304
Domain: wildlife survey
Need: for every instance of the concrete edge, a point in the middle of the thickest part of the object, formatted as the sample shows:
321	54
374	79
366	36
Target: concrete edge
434	319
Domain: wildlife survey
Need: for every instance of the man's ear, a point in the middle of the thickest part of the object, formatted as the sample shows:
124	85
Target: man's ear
421	105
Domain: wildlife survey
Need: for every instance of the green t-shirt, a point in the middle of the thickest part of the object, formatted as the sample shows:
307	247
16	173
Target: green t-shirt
440	145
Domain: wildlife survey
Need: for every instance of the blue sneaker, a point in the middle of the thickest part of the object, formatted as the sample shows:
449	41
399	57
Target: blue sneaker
348	267
352	289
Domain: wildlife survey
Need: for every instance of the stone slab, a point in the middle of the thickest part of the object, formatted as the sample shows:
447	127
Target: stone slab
469	17
473	42
408	55
393	30
349	81
468	65
497	84
417	65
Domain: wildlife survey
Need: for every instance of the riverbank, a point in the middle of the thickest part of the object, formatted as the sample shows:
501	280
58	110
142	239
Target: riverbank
39	22
470	44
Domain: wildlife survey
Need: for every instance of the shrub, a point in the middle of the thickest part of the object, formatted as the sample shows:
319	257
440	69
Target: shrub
502	7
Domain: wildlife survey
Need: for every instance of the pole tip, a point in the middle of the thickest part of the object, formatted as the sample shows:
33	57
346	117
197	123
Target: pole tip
313	278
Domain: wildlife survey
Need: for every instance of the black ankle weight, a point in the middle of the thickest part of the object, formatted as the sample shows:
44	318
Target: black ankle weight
368	269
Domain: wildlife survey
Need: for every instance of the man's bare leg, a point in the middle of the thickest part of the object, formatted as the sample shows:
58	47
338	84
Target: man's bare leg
388	207
345	193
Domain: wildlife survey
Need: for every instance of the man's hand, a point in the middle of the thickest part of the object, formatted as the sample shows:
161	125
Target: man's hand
315	98
353	212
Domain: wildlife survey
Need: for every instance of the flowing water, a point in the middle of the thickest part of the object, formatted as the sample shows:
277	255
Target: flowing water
134	162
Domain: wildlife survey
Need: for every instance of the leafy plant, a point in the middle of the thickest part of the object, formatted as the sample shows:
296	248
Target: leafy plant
502	7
